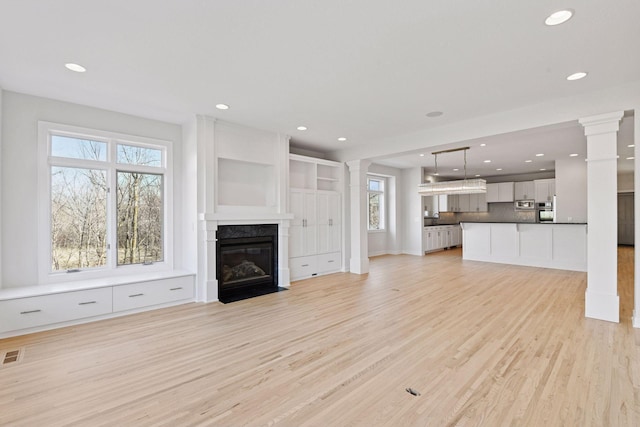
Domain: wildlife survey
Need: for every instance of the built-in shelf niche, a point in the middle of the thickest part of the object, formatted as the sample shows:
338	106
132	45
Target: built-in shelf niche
314	174
243	183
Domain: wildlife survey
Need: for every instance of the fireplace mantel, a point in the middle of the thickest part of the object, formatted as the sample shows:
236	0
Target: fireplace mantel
245	217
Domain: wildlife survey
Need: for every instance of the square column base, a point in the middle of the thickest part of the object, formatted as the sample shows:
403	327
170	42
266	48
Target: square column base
359	265
636	319
602	306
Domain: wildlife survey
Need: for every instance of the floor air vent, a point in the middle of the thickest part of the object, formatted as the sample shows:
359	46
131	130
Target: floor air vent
11	356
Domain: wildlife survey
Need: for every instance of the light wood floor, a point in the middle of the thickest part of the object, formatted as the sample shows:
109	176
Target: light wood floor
483	344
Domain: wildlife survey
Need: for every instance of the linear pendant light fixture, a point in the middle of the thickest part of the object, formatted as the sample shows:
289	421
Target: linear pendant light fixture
463	186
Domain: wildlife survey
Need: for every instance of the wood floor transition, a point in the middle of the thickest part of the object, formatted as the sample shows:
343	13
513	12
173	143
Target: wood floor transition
477	343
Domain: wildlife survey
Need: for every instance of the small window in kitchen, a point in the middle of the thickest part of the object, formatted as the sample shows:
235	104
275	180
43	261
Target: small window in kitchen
375	203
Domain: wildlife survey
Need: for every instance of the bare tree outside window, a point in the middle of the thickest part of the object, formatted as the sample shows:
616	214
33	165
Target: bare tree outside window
375	203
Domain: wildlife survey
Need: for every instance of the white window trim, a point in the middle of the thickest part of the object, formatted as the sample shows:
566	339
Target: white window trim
45	129
383	211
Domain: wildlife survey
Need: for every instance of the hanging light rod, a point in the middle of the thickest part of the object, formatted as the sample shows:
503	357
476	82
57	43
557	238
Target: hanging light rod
464	186
451	150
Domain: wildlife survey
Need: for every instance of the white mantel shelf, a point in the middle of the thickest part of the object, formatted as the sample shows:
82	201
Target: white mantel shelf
245	216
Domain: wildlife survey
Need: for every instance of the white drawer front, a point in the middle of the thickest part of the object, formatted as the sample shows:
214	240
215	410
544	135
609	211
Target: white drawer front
24	313
136	295
329	262
305	266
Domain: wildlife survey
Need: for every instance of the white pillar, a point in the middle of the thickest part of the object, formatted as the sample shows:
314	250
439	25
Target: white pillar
601	298
359	262
636	202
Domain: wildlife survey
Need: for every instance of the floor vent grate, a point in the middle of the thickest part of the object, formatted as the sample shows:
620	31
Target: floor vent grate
10	357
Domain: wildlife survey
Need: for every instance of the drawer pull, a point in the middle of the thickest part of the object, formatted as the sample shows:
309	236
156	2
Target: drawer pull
330	260
87	303
30	311
135	295
304	265
175	289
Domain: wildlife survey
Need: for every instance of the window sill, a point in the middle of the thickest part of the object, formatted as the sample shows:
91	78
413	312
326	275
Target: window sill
78	285
376	231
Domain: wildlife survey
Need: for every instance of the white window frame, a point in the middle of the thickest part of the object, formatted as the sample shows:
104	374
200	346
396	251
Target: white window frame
383	204
46	161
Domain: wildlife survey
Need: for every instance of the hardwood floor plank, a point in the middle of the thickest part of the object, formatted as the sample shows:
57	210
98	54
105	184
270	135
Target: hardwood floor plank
483	344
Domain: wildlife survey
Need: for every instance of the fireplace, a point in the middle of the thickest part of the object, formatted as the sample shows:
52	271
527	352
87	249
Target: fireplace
247	261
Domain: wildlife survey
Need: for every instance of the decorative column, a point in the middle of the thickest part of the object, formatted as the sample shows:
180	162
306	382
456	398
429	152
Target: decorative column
359	262
601	298
636	202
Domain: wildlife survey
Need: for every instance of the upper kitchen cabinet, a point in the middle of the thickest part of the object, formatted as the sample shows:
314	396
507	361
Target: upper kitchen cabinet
545	190
500	192
524	190
478	202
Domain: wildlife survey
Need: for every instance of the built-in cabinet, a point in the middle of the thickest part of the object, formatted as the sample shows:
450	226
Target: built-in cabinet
524	190
315	233
462	203
44	307
441	237
545	189
500	192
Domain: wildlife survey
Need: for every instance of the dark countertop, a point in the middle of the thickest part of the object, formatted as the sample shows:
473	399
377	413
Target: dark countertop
523	222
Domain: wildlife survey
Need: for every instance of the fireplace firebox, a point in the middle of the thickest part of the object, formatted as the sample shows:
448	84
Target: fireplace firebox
247	261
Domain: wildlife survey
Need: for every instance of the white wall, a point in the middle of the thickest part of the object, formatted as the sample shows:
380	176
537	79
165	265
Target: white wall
571	190
389	240
412	215
20	204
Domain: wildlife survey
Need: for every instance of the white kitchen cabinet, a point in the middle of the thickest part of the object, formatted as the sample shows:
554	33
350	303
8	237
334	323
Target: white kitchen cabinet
500	192
454	203
478	202
315	233
440	237
463	203
524	190
545	190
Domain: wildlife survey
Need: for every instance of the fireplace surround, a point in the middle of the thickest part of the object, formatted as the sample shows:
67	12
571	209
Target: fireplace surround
246	261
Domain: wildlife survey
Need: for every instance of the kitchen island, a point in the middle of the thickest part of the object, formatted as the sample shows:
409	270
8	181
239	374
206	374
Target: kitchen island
549	245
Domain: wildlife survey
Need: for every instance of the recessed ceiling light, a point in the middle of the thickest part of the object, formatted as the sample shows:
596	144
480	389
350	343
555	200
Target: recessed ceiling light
499	169
421	154
573	155
528	161
301	128
342	138
483	145
542	169
436	174
487	161
631	145
539	154
222	106
559	17
456	169
577	76
435	114
630	158
477	174
75	67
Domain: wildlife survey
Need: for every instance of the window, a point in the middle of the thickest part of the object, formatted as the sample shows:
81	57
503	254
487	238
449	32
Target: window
108	202
375	203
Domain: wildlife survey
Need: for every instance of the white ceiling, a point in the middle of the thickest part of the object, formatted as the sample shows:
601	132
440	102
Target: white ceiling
368	70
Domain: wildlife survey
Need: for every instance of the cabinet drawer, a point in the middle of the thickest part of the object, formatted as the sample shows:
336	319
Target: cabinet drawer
329	262
41	310
305	266
136	295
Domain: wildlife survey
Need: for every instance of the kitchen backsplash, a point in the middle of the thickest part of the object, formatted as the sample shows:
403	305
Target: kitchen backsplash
498	212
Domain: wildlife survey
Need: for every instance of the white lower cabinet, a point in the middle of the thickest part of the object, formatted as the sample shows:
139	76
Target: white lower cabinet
313	265
23	313
440	237
137	295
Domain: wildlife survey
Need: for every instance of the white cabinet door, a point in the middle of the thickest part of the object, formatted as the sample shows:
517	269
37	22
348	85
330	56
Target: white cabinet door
328	222
444	203
524	190
464	202
303	229
505	190
478	202
493	193
545	190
